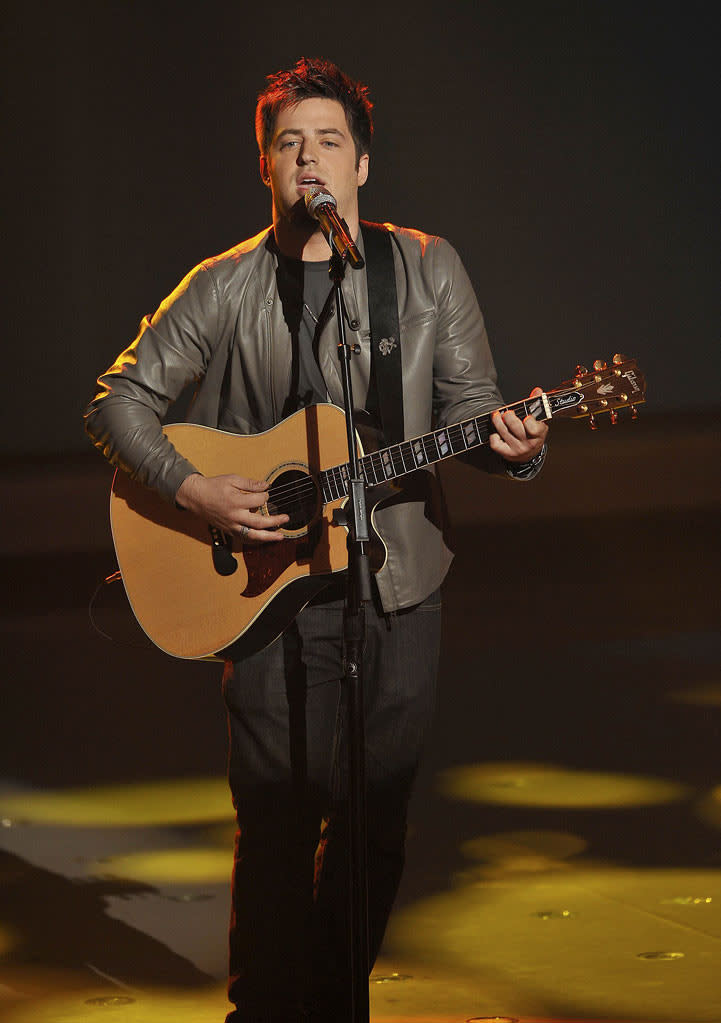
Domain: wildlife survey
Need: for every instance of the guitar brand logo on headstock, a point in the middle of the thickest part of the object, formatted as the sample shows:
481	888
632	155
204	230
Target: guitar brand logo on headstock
631	377
566	400
606	389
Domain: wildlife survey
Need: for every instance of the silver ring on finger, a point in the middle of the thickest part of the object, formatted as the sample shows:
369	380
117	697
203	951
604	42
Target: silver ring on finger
244	530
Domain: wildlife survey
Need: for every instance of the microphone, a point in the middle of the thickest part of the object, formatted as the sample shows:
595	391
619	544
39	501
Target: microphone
321	206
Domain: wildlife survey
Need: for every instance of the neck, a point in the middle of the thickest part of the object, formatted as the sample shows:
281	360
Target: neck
305	240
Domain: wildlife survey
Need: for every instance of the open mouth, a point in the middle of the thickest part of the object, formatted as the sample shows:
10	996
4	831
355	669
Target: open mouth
307	182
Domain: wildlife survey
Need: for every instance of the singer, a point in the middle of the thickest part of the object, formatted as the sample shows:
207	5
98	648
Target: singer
254	332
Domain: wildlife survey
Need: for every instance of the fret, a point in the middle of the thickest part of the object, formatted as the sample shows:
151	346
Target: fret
535	406
430	451
470	433
325	487
406	453
328	486
419	454
376	468
457	438
483	425
434	437
337	483
397	460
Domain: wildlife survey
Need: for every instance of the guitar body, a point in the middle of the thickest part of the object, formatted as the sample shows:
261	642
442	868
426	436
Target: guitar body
186	606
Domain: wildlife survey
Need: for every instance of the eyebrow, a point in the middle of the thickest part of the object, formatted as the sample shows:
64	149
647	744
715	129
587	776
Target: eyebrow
318	131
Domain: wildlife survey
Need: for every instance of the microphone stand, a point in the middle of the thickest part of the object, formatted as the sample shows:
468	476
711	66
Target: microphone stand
358	594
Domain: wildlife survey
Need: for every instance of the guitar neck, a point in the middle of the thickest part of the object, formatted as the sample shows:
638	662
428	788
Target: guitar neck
400	459
605	389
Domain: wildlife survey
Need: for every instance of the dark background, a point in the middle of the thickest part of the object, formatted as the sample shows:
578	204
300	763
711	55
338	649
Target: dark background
568	150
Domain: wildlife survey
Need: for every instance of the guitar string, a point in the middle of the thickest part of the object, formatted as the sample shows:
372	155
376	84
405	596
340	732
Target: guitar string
377	455
307	484
293	493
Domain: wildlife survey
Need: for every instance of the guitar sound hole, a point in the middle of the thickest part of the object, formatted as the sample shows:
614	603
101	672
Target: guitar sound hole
294	493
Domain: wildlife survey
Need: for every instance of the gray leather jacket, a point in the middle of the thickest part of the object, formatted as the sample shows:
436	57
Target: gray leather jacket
223	328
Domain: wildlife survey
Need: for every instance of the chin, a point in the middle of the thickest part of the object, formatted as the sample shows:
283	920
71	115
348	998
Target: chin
298	215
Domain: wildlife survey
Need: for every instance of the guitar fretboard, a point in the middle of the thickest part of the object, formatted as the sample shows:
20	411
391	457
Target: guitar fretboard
400	459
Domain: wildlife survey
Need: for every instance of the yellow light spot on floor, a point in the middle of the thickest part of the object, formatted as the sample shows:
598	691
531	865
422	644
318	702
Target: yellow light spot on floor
517	852
171	866
534	784
556	845
176	801
159	1006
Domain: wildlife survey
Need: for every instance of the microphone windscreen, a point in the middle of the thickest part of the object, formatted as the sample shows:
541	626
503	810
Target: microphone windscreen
316	197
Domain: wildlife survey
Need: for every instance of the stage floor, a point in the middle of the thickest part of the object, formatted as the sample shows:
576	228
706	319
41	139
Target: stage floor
564	852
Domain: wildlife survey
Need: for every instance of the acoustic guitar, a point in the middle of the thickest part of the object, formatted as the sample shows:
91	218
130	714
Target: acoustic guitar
200	593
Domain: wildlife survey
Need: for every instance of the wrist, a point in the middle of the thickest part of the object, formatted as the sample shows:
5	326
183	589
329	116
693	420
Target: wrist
524	470
186	493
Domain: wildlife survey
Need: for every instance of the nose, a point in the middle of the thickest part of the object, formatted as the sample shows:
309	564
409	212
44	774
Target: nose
306	153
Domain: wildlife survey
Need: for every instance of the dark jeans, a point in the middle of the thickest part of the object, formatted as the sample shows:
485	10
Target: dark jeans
289	938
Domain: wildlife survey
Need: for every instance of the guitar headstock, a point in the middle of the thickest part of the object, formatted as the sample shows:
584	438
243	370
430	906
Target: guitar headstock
604	389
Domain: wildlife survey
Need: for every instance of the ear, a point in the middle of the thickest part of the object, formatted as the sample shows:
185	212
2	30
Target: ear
264	172
362	171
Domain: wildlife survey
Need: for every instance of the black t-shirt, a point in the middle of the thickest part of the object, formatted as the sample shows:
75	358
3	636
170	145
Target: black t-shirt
305	292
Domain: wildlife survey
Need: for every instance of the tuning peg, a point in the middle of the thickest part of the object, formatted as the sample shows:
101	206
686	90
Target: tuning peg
599	364
618	359
580	370
592	422
614	416
634	412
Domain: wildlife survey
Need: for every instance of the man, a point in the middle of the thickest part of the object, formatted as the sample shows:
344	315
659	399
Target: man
254	328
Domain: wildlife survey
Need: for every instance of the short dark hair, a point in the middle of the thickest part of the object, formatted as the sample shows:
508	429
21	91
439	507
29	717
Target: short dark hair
310	78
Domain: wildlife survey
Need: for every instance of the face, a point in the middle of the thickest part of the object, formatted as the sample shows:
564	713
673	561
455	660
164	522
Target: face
312	145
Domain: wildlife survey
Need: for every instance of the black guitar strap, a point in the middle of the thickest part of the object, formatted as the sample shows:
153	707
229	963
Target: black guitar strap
385	391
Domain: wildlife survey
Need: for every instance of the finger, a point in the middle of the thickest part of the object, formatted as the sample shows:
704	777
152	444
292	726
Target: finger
499	445
248	485
255	502
264	535
513	427
533	428
246	500
263	522
499	425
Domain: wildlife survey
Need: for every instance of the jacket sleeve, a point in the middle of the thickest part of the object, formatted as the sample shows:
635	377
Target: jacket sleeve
172	349
464	374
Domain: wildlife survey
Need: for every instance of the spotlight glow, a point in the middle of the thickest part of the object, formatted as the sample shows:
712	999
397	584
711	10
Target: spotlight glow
534	784
83	1007
170	866
175	801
